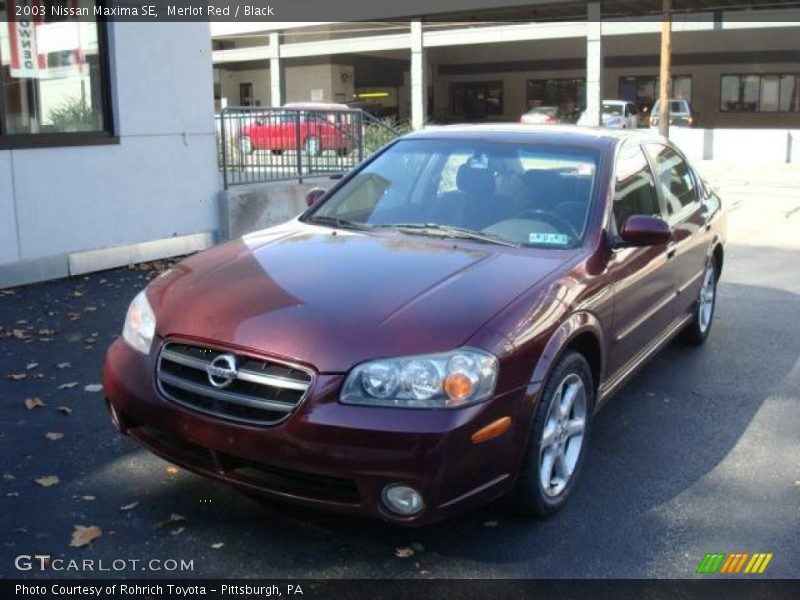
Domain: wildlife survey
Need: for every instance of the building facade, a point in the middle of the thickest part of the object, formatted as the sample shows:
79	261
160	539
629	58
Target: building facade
106	157
737	68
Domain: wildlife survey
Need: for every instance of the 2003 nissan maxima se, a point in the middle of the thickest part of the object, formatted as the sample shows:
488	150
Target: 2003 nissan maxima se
436	331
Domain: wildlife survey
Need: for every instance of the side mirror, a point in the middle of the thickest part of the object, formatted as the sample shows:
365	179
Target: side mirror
313	196
643	230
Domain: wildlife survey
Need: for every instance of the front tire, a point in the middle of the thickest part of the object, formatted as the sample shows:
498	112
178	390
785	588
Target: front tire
558	438
697	331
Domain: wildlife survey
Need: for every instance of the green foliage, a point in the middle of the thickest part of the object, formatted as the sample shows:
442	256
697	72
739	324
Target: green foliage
379	133
74	114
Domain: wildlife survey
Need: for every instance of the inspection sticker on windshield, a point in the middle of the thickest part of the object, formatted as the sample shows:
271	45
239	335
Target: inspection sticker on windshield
551	239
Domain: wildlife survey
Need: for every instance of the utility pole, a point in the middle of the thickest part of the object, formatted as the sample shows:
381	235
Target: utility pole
665	77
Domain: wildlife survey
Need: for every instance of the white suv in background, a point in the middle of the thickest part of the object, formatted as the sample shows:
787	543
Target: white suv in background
616	114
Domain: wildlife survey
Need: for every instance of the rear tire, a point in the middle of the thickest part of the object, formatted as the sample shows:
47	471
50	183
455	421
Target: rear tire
697	330
558	439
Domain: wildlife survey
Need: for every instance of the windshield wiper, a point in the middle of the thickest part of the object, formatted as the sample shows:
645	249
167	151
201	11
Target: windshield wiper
450	231
337	222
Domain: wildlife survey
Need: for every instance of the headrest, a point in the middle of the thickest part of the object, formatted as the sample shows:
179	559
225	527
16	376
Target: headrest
475	180
550	186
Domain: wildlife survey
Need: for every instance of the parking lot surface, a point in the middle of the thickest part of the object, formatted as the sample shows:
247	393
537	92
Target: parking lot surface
699	453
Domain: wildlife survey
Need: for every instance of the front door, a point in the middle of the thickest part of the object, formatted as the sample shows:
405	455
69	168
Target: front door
687	217
644	287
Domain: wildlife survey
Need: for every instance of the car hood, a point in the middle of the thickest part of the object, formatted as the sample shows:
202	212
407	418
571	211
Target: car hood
334	298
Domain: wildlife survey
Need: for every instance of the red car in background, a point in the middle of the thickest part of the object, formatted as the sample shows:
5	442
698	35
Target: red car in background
312	127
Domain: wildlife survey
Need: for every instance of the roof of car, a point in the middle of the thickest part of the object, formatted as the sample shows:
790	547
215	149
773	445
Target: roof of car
554	134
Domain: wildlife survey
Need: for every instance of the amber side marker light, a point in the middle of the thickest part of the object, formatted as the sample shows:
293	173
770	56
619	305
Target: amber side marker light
492	430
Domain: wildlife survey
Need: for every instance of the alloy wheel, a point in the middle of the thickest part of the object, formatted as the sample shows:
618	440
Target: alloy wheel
563	435
705	309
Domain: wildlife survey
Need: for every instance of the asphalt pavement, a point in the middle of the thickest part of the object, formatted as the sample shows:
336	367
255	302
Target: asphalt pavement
699	453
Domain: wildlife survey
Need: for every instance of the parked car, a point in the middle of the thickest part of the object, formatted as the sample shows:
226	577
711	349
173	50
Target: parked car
615	114
311	127
544	115
415	343
680	114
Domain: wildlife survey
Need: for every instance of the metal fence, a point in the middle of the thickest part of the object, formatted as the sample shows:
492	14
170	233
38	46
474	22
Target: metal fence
271	144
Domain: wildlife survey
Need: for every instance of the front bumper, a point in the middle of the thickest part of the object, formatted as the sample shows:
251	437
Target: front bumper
326	454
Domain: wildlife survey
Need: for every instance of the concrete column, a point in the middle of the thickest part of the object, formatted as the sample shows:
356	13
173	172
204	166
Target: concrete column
419	81
594	64
275	70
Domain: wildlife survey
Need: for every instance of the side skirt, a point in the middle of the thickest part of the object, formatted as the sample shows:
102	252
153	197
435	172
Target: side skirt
623	375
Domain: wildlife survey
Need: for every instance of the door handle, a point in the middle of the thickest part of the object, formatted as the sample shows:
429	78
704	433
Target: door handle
707	227
671	251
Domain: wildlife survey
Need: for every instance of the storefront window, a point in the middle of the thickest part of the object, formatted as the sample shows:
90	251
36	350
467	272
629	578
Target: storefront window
476	99
569	95
643	90
760	93
51	70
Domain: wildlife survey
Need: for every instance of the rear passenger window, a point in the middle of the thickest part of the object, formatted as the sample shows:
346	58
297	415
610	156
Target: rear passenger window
634	188
677	182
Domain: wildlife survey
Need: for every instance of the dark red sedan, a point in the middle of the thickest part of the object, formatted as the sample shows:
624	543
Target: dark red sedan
436	331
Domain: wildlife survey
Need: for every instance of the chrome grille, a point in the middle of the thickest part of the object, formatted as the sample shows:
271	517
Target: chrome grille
263	392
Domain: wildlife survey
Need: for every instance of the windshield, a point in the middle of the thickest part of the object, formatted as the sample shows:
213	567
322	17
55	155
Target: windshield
612	109
521	194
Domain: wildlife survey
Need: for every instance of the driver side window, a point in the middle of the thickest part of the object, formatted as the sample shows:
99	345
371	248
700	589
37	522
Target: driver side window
634	187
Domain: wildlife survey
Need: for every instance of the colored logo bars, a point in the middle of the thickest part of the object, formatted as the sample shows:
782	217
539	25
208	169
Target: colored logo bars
736	562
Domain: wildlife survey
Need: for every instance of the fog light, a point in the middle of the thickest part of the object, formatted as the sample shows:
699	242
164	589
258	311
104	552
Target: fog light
402	499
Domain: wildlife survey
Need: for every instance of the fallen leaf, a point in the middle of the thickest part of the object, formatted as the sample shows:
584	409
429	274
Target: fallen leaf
90	309
218	545
20	334
171	470
31	366
48	480
17	376
66	410
53	435
404	552
94	387
48	332
177	531
173	518
63	365
88	497
83	536
130	506
490	523
12	494
68	386
8	477
31	403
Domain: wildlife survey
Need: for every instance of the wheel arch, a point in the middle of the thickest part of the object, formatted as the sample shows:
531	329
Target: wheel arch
581	332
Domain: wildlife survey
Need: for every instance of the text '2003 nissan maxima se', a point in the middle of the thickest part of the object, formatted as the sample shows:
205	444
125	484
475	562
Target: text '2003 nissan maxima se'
436	331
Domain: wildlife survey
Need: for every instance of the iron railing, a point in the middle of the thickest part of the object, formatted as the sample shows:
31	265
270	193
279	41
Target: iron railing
271	144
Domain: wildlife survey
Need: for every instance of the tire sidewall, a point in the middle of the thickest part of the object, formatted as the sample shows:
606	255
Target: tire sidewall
529	495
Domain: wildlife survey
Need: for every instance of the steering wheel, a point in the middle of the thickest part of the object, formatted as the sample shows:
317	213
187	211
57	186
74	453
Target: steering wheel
551	219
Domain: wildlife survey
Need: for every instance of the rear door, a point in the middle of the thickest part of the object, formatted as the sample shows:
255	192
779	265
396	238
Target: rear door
644	287
686	215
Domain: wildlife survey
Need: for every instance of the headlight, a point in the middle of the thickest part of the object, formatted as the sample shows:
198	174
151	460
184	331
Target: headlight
140	324
447	380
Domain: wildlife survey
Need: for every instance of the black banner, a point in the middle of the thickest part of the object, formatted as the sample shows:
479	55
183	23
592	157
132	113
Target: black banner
286	11
377	589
